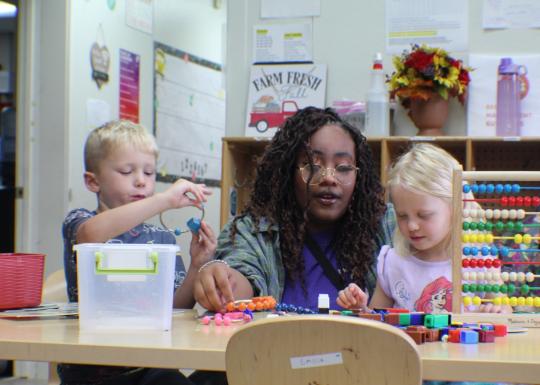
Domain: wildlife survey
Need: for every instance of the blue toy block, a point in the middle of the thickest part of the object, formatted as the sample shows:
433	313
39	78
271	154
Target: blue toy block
417	318
469	337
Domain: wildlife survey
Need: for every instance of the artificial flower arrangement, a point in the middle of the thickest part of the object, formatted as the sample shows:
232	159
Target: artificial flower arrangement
424	71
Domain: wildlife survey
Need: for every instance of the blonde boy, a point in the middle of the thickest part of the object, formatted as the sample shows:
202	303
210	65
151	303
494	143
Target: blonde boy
120	168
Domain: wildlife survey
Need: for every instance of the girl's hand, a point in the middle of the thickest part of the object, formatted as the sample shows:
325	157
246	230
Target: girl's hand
203	246
352	297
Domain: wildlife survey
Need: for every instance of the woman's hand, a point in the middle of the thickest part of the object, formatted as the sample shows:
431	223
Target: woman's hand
214	286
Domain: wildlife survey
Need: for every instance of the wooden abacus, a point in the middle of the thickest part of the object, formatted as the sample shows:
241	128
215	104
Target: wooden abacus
477	260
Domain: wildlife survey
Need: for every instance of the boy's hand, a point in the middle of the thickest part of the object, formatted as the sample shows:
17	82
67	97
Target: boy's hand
214	285
203	246
352	297
185	193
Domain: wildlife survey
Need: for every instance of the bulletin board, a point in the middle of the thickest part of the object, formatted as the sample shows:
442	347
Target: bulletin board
189	116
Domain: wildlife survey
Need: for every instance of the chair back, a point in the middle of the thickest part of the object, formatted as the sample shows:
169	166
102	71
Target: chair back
322	350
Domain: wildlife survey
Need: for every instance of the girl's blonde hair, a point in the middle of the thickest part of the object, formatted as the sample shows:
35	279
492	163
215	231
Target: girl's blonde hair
425	169
105	139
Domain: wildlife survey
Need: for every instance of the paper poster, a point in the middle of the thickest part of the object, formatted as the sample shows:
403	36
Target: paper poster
140	15
441	24
189	115
283	43
510	14
288	8
278	91
482	94
129	85
98	112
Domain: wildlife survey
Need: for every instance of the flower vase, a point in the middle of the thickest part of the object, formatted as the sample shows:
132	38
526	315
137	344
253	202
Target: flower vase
429	115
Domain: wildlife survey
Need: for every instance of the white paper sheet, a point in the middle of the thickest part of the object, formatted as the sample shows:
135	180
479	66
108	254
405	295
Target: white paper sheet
438	23
290	8
510	14
283	43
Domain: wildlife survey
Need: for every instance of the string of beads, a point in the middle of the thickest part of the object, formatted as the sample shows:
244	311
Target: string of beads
489	238
496	214
499	188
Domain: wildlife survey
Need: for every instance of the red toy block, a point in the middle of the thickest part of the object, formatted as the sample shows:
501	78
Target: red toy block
500	330
432	335
486	335
392	318
374	316
418	336
454	335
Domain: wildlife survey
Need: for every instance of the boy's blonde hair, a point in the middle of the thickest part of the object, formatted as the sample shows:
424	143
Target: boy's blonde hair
110	136
425	169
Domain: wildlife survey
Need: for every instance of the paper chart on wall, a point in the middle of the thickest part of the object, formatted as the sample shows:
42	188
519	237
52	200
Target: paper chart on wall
189	115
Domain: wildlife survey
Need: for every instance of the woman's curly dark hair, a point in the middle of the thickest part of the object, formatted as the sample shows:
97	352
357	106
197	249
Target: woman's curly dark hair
273	197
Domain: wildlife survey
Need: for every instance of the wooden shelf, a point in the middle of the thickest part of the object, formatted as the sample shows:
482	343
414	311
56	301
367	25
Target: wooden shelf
240	155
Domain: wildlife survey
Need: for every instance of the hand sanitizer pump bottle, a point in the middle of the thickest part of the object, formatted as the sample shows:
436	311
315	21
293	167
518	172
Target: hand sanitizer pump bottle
508	121
377	106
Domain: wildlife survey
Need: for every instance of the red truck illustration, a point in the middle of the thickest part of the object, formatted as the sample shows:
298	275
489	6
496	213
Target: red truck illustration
266	113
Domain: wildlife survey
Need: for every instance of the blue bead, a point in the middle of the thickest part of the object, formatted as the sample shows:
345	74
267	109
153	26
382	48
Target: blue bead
278	307
292	308
499	188
504	251
493	251
490	188
515	188
474	250
466	250
466	188
474	188
177	231
482	188
507	188
485	250
194	224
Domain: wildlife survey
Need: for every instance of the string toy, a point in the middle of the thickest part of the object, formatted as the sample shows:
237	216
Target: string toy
193	224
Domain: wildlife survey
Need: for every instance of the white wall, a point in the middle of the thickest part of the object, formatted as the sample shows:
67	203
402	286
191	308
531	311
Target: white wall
346	36
58	125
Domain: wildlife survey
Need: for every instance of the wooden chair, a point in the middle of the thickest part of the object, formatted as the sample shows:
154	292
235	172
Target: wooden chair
321	350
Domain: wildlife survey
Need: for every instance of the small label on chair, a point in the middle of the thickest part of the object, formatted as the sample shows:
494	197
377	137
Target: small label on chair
316	360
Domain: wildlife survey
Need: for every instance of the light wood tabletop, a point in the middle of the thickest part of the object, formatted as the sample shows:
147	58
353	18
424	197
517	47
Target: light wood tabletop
191	345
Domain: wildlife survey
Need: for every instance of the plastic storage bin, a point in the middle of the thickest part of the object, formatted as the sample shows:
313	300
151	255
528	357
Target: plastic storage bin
21	280
125	286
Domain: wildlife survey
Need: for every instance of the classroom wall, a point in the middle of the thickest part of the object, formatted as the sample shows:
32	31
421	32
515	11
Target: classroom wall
66	31
345	37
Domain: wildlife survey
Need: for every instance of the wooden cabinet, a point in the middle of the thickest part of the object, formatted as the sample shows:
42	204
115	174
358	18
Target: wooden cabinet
240	155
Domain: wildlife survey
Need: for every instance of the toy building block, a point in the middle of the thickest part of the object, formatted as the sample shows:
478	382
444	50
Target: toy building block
454	335
374	316
468	337
500	330
417	318
432	335
392	318
404	319
396	310
486	336
417	333
436	320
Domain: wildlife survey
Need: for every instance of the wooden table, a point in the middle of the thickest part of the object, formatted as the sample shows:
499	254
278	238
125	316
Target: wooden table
515	358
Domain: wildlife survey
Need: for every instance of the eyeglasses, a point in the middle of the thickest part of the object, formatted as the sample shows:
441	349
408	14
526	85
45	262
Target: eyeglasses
314	174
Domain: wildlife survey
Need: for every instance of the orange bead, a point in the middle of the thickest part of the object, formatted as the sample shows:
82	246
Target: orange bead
242	306
230	306
259	306
251	306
